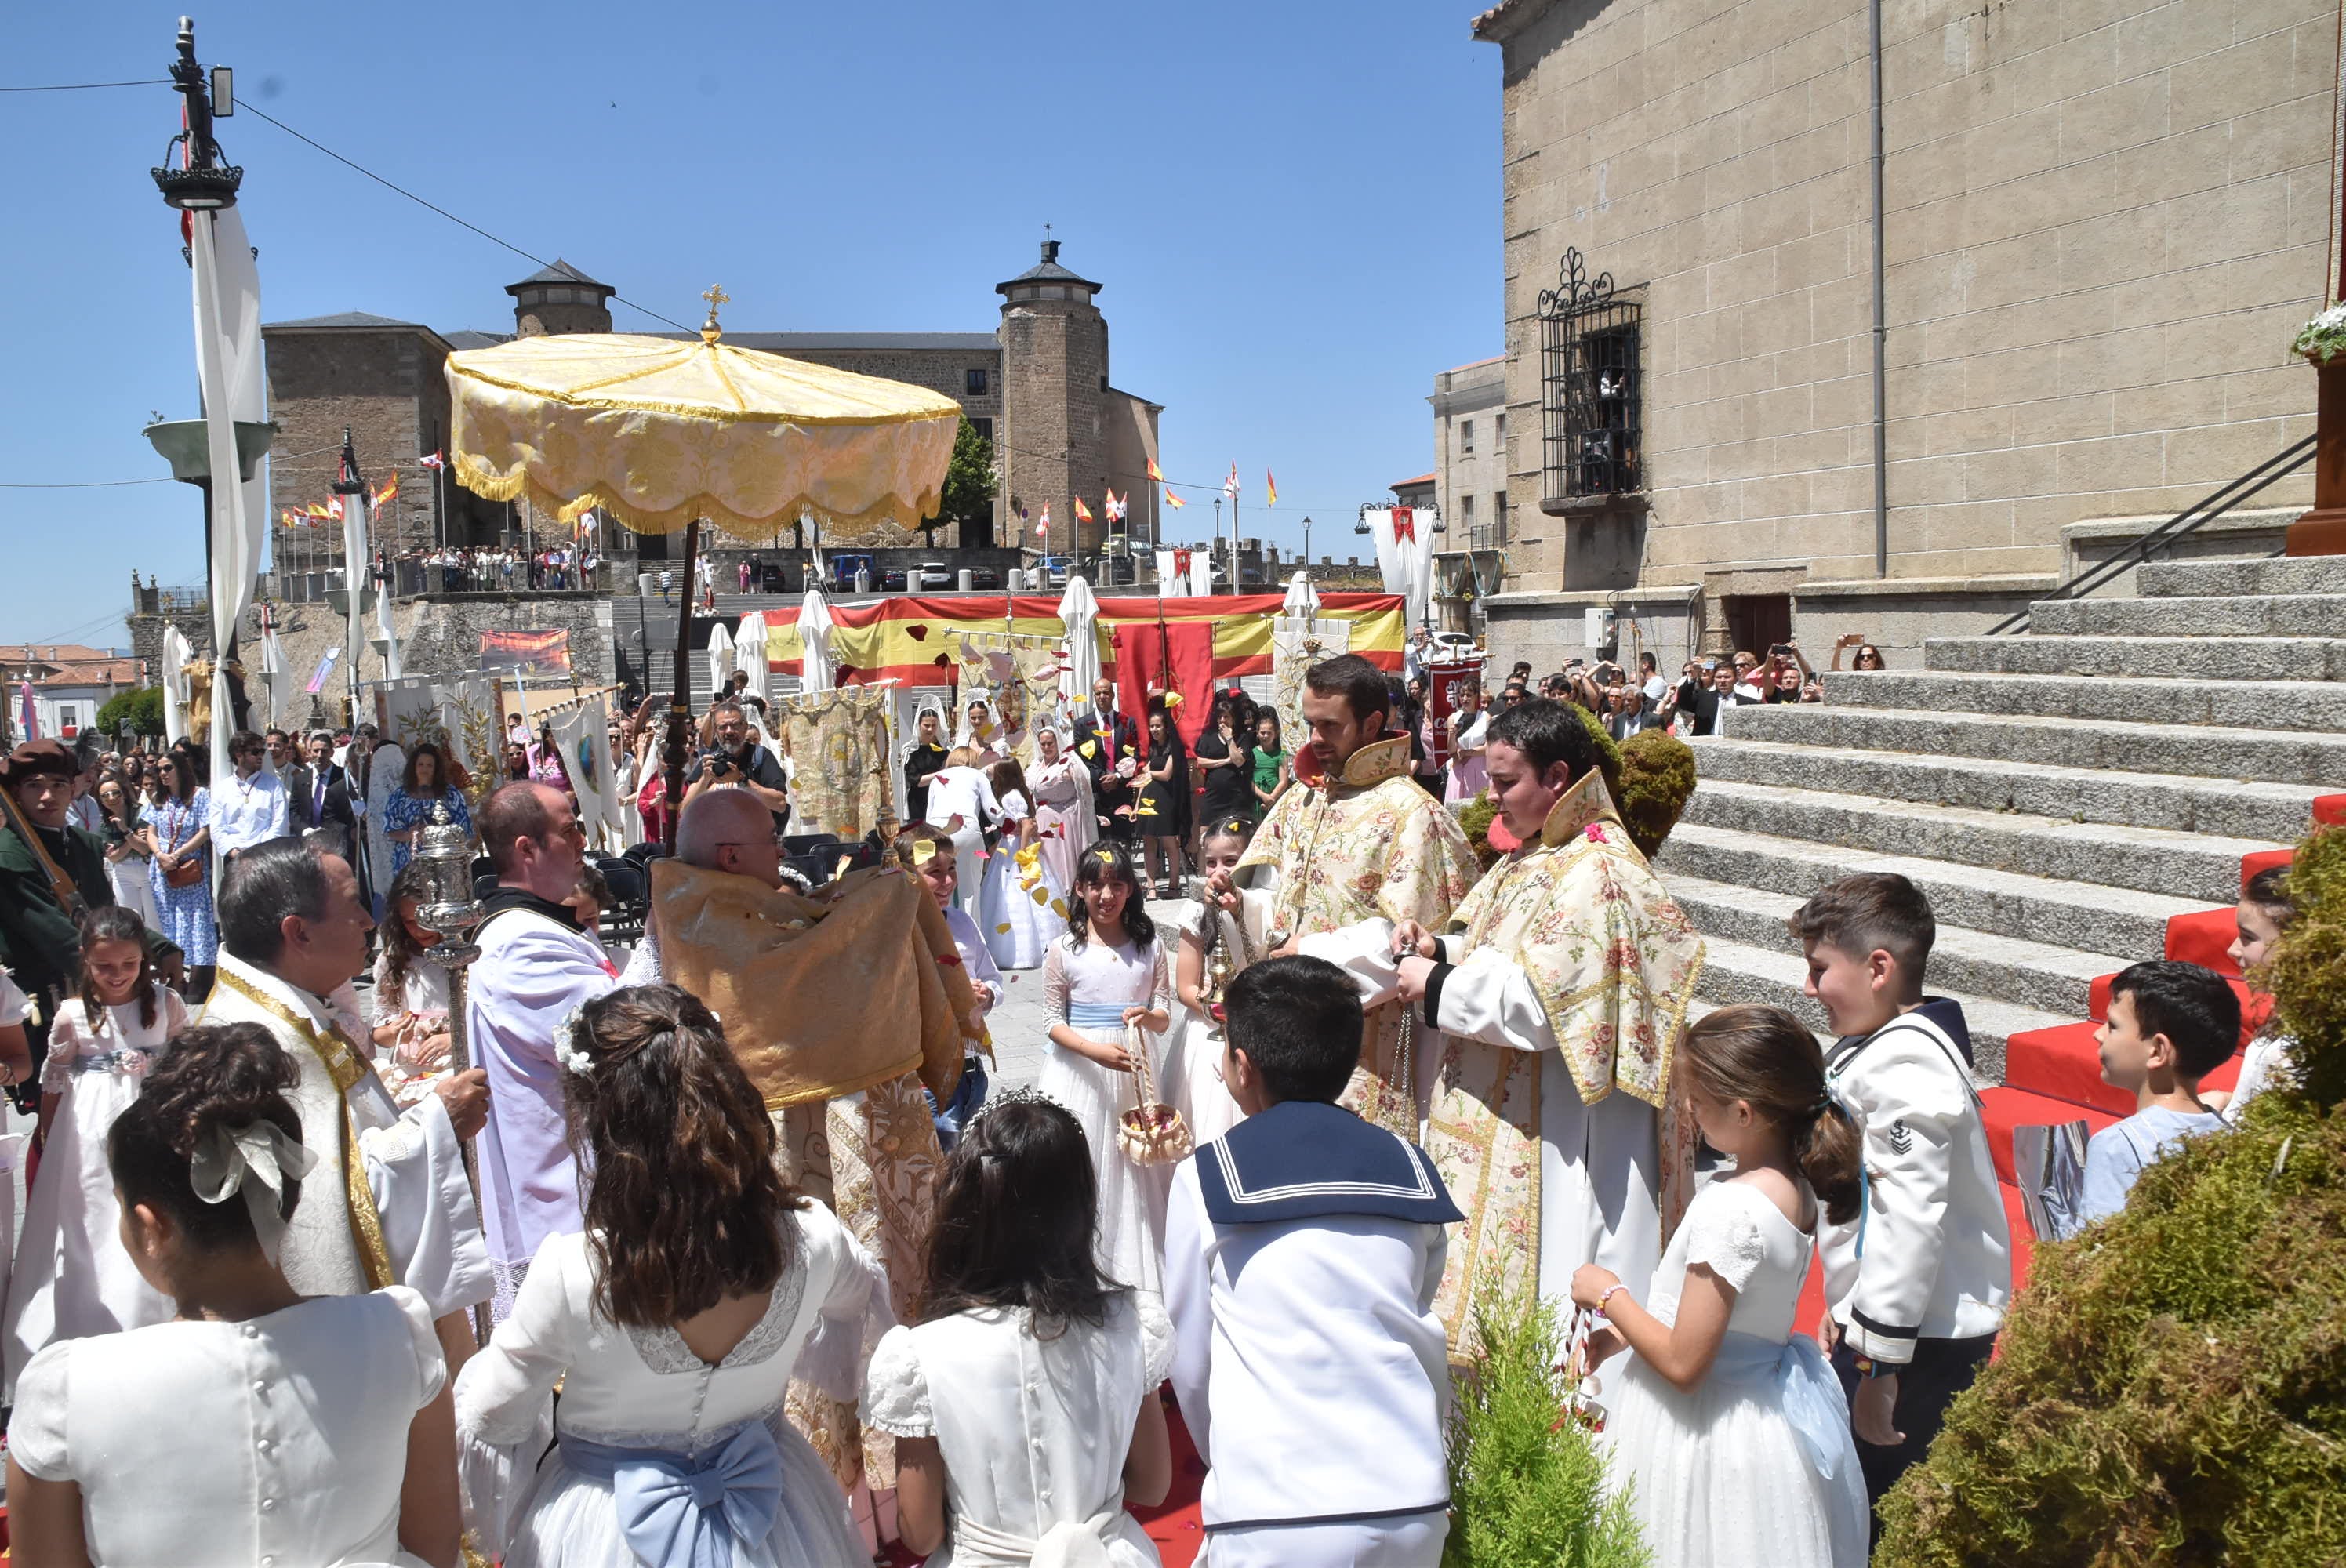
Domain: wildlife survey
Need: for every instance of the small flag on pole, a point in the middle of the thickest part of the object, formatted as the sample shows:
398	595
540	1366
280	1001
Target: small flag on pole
1172	499
1230	485
1083	513
1043	529
387	493
435	460
325	668
1156	473
1270	489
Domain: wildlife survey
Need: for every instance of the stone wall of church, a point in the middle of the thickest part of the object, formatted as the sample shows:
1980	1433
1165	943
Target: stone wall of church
387	387
2105	221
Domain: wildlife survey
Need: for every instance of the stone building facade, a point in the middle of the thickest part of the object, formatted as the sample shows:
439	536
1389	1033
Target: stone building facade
1470	445
2102	222
1037	386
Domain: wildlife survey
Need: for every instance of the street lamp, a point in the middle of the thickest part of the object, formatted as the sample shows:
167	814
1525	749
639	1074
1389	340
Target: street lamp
204	184
1307	543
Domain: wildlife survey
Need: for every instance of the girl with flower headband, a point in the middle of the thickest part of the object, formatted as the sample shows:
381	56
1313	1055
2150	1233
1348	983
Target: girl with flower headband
71	1277
1103	978
675	1321
1216	943
259	1425
1023	1347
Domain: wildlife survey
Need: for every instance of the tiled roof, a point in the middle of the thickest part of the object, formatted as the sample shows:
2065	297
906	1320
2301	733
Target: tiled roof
350	319
560	273
67	664
1413	483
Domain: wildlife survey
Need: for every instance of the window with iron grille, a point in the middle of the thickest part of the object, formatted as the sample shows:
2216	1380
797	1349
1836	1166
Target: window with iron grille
1493	534
1590	382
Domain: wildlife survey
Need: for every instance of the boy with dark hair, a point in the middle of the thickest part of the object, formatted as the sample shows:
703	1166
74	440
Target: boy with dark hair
2170	1025
1322	1428
927	852
1917	1284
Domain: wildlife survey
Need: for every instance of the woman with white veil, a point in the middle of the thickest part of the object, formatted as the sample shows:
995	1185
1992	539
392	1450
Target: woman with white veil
962	803
1064	813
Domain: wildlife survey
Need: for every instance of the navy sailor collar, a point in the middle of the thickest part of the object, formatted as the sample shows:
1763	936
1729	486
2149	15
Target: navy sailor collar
1302	1159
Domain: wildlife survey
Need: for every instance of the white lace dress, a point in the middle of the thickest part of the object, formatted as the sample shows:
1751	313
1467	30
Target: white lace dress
73	1278
1192	1073
1022	906
1089	991
1754	1467
643	1418
1035	1431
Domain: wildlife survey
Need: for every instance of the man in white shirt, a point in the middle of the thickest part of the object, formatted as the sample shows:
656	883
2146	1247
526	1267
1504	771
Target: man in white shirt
248	806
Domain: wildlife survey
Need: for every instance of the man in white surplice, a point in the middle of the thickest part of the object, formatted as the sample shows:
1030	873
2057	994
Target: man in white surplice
536	967
293	932
1561	991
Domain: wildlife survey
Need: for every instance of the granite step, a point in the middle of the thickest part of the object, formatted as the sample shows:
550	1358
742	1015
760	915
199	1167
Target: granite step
2280	574
2232	615
2294	705
1976	963
2201	866
2179	804
2197	751
1734	972
2171	656
2117	921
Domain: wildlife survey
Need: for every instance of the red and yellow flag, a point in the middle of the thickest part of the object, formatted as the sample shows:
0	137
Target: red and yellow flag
1083	513
1172	499
1270	488
1156	473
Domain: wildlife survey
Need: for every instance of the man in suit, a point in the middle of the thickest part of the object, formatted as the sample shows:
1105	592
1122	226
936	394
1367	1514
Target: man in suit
317	795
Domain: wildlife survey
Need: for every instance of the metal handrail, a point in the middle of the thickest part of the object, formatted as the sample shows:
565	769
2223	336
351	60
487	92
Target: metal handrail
2272	469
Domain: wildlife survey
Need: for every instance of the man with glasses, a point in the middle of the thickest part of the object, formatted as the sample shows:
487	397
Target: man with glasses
248	807
735	759
537	968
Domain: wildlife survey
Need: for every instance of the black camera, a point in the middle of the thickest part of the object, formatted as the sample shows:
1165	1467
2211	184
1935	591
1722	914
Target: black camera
717	761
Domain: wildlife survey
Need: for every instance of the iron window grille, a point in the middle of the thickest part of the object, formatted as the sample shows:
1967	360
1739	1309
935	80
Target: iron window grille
1591	376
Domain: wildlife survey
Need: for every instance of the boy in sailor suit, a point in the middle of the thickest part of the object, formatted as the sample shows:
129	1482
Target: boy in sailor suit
1303	1252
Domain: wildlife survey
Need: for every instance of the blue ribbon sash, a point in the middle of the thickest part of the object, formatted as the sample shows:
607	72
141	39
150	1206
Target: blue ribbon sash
701	1511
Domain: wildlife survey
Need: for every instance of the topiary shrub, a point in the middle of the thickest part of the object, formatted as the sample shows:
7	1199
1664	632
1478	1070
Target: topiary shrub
1526	1481
1657	778
2171	1387
1608	750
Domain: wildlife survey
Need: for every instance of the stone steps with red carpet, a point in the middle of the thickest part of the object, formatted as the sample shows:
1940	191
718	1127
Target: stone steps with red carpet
2073	799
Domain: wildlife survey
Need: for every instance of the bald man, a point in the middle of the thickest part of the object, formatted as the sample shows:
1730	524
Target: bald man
729	830
536	967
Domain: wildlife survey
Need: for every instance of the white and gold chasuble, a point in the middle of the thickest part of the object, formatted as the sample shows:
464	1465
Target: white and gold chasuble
1611	961
1369	844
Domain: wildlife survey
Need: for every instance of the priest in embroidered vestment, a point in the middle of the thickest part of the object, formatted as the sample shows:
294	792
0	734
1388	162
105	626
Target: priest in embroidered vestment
390	1202
1561	993
1357	840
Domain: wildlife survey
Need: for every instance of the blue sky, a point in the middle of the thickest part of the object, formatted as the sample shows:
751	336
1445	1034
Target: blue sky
1294	208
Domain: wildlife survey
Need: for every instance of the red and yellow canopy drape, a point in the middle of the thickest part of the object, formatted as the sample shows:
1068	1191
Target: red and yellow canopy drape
903	639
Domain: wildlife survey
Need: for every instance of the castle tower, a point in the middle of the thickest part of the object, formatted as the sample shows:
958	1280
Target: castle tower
560	299
1054	375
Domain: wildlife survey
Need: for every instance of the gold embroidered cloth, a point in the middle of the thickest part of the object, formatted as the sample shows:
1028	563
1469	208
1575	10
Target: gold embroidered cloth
1614	961
658	432
1372	844
838	742
820	997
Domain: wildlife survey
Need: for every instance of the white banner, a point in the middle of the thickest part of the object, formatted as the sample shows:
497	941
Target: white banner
1404	536
229	373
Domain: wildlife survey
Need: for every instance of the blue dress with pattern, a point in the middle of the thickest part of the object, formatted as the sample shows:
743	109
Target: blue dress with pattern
184	913
403	811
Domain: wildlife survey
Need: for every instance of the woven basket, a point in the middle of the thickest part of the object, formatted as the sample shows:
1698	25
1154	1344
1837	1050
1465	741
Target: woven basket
1152	1133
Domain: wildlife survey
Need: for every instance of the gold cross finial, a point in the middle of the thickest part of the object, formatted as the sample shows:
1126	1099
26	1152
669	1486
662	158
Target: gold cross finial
716	295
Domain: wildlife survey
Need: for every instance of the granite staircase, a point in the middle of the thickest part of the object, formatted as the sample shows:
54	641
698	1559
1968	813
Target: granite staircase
2073	799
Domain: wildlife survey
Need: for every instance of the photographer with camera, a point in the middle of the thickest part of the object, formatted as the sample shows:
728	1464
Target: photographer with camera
734	759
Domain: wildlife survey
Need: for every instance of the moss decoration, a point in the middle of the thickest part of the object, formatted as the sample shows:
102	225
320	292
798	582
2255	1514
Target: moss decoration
1655	780
2171	1387
1608	750
1527	1481
1477	819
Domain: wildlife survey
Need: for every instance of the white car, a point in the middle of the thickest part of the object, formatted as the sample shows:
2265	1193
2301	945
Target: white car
932	575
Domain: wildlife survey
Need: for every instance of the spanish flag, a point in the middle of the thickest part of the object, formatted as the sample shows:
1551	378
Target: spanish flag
1172	499
1270	488
1083	513
1156	473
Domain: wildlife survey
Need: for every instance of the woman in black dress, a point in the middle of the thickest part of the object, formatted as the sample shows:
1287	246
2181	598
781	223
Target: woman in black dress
1162	814
924	757
1226	757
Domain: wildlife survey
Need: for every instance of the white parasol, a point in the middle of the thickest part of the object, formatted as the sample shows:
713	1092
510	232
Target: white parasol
1079	609
1302	598
814	642
749	654
720	659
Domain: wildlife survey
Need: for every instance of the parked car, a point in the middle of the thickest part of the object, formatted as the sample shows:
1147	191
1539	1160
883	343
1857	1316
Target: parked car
986	578
843	568
892	582
934	575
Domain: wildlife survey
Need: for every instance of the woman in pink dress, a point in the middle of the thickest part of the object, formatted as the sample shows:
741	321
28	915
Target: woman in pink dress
1064	813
